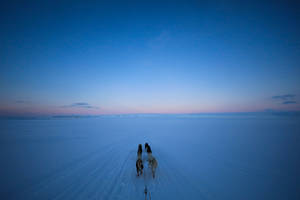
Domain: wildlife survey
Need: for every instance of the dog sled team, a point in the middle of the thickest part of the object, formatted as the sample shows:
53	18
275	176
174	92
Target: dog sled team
152	163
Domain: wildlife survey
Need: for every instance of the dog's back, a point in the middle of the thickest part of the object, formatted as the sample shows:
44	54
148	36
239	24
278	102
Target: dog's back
152	161
139	166
146	145
148	148
153	164
139	161
140	150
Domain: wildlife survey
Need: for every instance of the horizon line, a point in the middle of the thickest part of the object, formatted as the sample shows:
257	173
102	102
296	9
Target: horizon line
267	111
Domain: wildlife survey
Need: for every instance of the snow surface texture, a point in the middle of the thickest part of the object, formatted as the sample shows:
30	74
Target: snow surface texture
198	158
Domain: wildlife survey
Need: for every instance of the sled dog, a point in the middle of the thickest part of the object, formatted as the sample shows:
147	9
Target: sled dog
139	166
140	151
139	162
152	162
148	148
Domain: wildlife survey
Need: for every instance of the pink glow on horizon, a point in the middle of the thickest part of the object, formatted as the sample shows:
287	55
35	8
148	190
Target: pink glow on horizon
55	110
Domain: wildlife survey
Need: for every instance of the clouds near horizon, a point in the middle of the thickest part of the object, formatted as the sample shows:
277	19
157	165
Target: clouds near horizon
80	105
289	102
285	99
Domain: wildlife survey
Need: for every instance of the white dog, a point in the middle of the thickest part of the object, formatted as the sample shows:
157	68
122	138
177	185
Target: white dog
152	163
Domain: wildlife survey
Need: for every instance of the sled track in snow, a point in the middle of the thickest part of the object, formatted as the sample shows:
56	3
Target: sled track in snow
169	182
68	177
109	173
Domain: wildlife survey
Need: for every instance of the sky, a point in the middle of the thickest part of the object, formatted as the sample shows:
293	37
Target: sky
119	57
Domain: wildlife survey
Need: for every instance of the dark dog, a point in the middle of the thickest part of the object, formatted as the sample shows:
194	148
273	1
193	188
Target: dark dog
139	162
140	151
148	148
146	145
139	166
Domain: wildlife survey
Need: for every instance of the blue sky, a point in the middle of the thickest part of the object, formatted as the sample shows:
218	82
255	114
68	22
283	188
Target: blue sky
148	57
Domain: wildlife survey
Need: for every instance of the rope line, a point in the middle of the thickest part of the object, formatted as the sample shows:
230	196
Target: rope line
146	190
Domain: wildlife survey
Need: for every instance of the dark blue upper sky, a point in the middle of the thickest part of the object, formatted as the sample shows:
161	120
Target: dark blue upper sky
148	56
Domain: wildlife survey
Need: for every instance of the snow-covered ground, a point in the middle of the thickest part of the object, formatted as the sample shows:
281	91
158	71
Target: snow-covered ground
198	158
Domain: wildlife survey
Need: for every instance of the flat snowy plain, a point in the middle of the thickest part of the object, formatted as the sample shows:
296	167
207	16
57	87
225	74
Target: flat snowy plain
213	157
